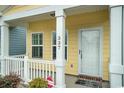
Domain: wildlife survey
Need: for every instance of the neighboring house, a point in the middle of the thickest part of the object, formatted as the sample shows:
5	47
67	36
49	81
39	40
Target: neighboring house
77	37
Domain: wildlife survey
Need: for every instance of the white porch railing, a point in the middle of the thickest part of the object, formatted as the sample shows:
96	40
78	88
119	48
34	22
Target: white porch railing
18	56
28	69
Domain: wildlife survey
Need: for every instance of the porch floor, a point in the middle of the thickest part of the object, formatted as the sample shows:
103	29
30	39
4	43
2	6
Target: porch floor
70	83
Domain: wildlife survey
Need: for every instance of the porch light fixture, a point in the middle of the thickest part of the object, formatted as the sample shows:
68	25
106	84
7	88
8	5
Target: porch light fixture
52	14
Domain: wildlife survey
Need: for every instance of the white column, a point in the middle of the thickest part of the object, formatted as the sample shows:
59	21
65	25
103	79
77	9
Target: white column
60	60
116	46
4	39
4	44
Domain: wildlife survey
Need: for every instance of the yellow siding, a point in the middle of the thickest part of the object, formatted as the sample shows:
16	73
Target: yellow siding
73	24
20	8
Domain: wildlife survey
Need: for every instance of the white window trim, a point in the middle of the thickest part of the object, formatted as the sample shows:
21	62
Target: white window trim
55	45
37	45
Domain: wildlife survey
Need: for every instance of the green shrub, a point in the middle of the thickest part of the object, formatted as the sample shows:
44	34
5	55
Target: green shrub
10	81
38	83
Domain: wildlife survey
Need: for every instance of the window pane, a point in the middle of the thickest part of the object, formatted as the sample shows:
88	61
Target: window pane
66	38
54	38
37	52
36	39
66	52
40	39
41	52
34	51
33	36
54	52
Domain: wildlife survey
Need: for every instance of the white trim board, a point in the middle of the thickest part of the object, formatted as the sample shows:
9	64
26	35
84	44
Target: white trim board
37	11
101	48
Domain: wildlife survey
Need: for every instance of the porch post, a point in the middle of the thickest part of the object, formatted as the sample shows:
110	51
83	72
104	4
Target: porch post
4	43
4	39
60	60
116	46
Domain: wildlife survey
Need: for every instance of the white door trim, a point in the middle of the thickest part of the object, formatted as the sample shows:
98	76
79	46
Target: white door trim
101	49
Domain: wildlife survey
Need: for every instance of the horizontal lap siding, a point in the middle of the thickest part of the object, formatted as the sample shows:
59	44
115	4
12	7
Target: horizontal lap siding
106	45
17	41
73	24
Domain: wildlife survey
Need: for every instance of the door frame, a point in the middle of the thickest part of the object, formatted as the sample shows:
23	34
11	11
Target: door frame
101	49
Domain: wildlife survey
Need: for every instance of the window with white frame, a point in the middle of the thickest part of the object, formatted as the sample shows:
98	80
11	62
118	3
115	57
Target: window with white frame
54	45
37	45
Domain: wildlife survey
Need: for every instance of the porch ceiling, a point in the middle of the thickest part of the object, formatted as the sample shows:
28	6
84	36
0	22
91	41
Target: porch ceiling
70	11
24	21
84	9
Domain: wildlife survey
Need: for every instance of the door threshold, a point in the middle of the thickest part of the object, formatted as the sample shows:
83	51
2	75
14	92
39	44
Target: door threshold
88	77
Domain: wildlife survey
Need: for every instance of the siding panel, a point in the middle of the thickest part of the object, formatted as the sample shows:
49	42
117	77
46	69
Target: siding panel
17	41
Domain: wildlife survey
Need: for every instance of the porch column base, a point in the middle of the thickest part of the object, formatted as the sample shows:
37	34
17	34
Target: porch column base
60	77
64	86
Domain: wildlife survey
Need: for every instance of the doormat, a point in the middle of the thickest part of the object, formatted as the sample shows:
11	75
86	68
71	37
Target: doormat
89	83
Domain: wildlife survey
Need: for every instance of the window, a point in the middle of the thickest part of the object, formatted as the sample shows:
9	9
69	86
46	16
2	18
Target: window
37	45
54	45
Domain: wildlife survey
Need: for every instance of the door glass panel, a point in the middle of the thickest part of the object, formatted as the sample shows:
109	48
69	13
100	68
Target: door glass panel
90	52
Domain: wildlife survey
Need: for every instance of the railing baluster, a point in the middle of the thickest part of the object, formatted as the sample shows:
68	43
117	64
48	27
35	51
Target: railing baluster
15	65
46	70
37	69
23	69
40	70
12	66
43	70
6	66
31	69
28	70
34	70
19	67
53	72
49	70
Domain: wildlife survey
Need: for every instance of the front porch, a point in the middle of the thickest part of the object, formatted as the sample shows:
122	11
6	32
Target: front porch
63	40
57	39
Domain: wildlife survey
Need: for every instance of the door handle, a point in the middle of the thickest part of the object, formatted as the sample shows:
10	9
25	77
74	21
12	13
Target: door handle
80	53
